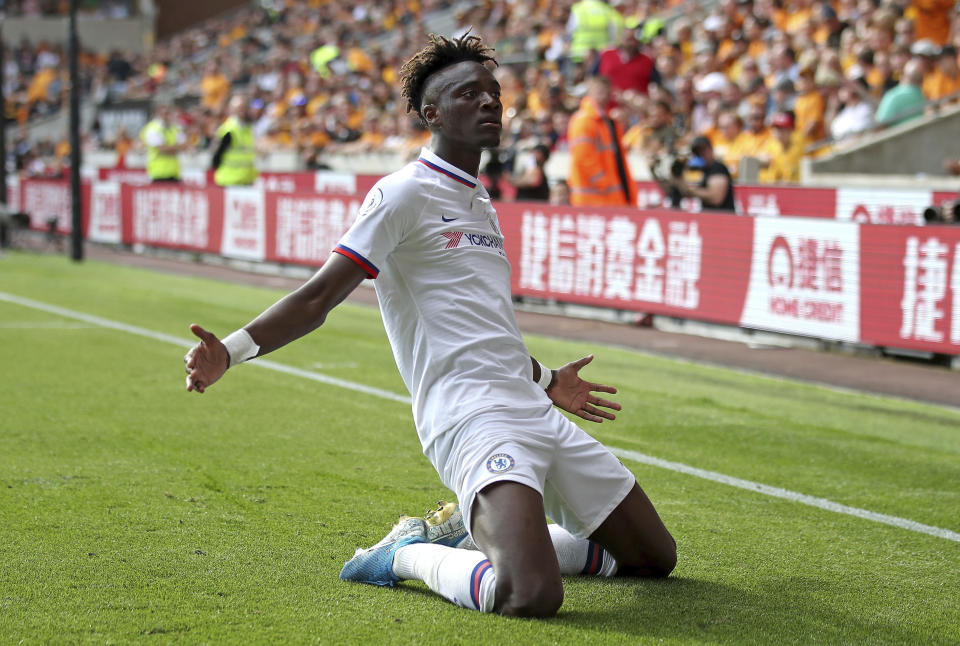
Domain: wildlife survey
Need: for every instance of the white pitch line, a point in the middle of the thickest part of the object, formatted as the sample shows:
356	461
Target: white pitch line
184	343
45	325
786	494
756	487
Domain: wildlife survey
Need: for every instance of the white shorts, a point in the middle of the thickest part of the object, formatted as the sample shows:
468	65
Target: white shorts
580	480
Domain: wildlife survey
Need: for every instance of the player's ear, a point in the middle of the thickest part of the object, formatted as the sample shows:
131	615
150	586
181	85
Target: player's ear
431	114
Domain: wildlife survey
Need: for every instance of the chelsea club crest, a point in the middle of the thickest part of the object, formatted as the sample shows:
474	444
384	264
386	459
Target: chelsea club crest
500	463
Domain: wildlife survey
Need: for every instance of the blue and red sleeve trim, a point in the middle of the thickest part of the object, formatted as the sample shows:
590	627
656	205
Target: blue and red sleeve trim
365	264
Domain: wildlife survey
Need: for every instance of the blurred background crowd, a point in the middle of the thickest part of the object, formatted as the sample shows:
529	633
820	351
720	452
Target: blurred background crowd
773	80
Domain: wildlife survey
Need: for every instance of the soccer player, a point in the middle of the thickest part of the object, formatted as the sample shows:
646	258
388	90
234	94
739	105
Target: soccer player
483	407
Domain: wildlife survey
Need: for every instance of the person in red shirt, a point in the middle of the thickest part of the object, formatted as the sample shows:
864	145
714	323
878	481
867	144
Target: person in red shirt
627	67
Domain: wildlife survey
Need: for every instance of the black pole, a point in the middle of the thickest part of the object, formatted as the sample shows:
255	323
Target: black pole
76	233
3	129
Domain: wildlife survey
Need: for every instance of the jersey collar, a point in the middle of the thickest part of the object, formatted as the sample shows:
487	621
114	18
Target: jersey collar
434	163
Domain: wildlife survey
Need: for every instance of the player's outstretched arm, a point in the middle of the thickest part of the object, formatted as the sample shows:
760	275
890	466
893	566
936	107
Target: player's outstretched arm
574	395
293	316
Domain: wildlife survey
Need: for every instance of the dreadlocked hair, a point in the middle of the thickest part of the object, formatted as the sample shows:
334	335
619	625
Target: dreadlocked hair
439	53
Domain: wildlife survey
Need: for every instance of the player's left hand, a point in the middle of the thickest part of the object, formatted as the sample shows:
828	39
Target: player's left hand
574	395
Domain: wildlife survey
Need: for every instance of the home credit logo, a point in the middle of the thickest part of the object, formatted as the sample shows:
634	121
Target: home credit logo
882	206
804	279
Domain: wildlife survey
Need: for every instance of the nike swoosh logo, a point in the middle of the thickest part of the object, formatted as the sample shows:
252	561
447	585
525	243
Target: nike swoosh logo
446	219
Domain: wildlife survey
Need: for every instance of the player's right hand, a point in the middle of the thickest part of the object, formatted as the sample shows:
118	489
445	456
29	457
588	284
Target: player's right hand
205	362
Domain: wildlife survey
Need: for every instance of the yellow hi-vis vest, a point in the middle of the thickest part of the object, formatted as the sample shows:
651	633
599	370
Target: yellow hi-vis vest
161	165
594	19
237	166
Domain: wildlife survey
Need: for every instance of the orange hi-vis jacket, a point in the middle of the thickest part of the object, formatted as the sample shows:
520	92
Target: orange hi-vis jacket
596	176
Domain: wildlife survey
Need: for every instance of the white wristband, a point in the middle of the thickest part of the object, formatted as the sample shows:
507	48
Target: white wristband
240	346
546	376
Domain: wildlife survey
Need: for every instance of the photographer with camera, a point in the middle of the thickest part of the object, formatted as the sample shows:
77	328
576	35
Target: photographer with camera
948	211
715	189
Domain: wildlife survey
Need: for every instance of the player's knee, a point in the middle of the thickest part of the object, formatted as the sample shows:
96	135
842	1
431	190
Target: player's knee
654	562
665	560
533	599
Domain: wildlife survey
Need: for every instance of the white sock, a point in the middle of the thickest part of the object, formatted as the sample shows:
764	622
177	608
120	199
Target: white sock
579	555
464	577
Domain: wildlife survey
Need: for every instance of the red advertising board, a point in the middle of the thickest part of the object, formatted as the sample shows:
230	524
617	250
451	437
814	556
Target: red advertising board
666	262
173	216
910	290
786	200
890	285
304	228
47	200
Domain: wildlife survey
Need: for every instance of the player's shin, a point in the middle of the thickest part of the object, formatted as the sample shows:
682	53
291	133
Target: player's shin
464	577
579	555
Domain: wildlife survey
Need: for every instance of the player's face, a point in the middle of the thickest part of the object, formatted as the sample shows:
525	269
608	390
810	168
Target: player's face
468	110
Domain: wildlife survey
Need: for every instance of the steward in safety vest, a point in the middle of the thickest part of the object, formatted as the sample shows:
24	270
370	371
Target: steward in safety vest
599	174
163	139
594	25
234	161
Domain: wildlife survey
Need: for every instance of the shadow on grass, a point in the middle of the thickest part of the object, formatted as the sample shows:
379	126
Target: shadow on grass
695	610
684	608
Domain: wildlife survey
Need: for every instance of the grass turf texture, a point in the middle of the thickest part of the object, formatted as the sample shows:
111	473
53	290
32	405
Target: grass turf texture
131	511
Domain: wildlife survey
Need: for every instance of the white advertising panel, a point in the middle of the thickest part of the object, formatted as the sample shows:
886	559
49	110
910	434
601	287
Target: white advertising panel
105	222
805	278
244	224
882	206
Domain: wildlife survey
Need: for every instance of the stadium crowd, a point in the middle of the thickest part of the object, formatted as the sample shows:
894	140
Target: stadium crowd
770	79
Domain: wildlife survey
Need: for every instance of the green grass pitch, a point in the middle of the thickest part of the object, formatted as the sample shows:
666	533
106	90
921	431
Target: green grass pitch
133	512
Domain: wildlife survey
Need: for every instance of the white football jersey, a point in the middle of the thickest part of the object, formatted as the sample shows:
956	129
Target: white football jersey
430	236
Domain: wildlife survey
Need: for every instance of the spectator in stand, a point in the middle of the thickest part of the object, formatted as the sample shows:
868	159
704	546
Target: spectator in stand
599	173
783	98
881	77
829	27
905	101
931	19
928	52
786	152
725	137
120	70
165	140
944	79
810	105
531	178
755	140
709	90
627	66
560	193
656	135
593	26
234	161
214	88
783	65
856	115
